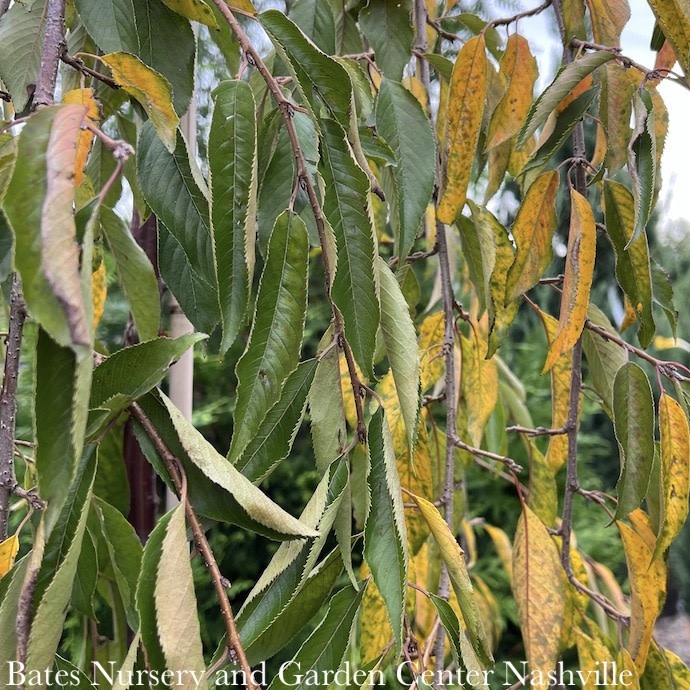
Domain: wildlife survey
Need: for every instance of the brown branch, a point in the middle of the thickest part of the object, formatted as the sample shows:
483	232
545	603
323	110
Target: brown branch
508	462
8	403
4	6
441	31
50	54
287	110
537	431
521	15
79	65
174	467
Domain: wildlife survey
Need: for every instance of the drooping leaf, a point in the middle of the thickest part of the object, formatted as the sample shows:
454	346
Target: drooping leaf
454	559
136	275
316	20
375	631
519	69
608	20
388	28
539	592
134	26
579	271
633	270
85	579
567	78
196	10
533	232
232	165
673	17
675	473
325	648
86	98
465	108
385	539
274	438
176	606
402	124
272	351
46	252
615	111
431	334
21	41
171	186
662	294
633	421
150	88
345	206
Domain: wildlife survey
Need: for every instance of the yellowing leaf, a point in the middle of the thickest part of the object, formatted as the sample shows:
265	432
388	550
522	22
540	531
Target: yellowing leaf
675	470
499	158
608	19
375	628
519	68
348	397
150	88
8	552
479	385
647	587
242	5
533	232
431	350
83	97
424	609
539	594
625	662
674	19
543	496
100	292
593	654
503	547
196	10
464	114
579	271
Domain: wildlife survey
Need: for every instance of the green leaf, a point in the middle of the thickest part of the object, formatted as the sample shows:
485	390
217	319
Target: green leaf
325	648
51	608
21	42
662	294
346	208
261	512
277	432
401	345
131	372
388	28
385	536
451	624
135	273
633	422
566	80
603	357
85	579
315	19
642	162
11	586
135	26
77	678
479	251
232	180
46	252
272	351
176	606
321	79
403	125
170	185
633	270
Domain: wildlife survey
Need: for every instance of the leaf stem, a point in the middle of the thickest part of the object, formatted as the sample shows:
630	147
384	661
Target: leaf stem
172	464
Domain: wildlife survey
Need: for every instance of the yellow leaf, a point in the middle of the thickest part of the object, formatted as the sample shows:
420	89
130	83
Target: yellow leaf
375	628
679	671
503	547
416	88
83	97
150	88
543	497
8	552
630	315
615	110
576	601
593	654
626	666
608	19
499	158
431	350
519	68
539	594
557	452
425	611
464	113
610	586
490	610
242	5
675	470
196	10
100	292
533	233
647	588
665	343
599	155
579	270
479	386
348	397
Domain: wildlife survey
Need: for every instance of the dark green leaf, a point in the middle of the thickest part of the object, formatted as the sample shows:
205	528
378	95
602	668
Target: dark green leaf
385	537
451	624
173	188
633	422
402	123
275	436
315	19
387	26
11	586
345	206
232	176
85	579
273	348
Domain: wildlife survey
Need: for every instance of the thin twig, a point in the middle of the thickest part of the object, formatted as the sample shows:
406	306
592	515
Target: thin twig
537	431
508	462
174	468
79	65
50	54
521	15
449	36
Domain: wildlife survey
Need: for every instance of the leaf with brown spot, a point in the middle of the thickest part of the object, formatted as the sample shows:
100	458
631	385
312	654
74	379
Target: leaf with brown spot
533	233
579	271
539	592
464	114
150	88
86	98
519	68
